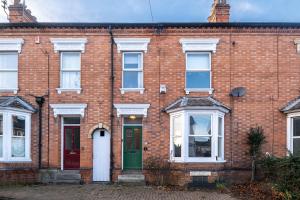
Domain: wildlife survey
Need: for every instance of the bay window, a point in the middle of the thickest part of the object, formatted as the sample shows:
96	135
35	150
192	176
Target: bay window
9	71
197	136
70	70
15	136
132	71
294	134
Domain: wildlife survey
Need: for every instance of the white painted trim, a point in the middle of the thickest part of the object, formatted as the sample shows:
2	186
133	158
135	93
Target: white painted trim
132	109
11	44
297	43
68	109
126	90
69	44
61	90
199	44
200	173
132	44
13	90
62	144
7	137
290	128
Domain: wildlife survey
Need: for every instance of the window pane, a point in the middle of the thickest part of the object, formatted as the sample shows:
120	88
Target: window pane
296	126
1	136
8	80
296	145
136	120
132	61
220	146
71	60
200	125
71	120
71	80
199	146
77	138
68	139
177	136
137	135
198	79
9	61
18	137
198	61
220	126
132	80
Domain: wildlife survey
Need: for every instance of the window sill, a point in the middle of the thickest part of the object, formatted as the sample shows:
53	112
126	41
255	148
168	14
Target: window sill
124	90
14	90
60	90
189	90
16	161
199	161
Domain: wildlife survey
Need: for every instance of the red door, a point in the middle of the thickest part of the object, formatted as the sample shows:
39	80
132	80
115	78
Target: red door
71	147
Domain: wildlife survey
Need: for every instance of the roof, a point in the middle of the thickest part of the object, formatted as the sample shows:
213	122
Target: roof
279	25
196	102
15	102
292	106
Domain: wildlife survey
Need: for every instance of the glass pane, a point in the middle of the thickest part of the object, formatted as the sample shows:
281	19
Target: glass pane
18	126
8	80
198	80
9	61
296	126
177	144
137	135
296	145
199	146
1	146
198	61
200	125
133	120
1	124
220	126
71	60
177	127
128	139
132	61
77	138
18	147
132	79
71	80
68	139
71	120
220	146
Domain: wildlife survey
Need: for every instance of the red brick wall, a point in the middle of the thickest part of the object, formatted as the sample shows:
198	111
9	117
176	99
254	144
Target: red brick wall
264	61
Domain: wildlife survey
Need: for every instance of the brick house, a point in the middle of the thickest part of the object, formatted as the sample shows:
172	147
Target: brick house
99	100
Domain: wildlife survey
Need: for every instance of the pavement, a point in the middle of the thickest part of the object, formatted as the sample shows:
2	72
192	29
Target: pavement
104	192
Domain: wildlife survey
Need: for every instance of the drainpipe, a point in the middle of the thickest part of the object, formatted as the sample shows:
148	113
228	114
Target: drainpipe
40	101
112	77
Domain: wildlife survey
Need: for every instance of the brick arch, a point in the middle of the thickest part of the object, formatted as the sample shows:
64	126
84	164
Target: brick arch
97	126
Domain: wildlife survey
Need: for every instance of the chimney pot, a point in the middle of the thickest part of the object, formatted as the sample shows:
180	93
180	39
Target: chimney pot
220	11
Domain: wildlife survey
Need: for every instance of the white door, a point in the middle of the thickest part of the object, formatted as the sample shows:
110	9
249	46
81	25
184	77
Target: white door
101	156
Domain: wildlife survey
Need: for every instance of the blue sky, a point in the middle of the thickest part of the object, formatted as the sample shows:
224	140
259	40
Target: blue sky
163	10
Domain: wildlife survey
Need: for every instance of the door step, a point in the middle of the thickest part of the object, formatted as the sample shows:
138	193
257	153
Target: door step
60	177
131	178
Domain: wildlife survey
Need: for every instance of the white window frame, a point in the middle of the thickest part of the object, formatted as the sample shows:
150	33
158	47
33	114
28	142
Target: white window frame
8	133
139	70
188	90
62	89
186	133
290	131
14	90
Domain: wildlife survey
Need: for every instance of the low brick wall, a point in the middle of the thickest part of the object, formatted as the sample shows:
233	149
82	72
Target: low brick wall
21	176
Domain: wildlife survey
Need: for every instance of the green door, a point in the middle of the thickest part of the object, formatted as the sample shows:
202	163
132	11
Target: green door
132	147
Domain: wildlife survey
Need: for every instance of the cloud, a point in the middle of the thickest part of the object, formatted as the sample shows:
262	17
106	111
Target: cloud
246	6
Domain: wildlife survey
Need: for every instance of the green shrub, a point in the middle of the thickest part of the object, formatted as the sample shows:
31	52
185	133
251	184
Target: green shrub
284	173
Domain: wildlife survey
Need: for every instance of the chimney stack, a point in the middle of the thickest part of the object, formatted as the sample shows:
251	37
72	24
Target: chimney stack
220	11
18	13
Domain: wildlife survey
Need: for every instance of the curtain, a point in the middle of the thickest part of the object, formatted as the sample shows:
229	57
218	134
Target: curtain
8	80
198	61
71	80
71	60
18	147
9	61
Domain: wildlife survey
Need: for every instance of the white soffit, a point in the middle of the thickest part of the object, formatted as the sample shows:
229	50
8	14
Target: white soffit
132	109
132	44
11	44
68	109
69	44
199	44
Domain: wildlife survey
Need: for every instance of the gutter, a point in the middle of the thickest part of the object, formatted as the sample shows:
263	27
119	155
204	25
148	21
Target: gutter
112	77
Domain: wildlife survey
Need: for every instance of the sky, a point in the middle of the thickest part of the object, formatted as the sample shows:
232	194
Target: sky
163	10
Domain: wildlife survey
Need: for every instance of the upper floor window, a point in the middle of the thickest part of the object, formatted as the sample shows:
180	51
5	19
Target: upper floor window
70	70
9	71
132	70
198	71
1	135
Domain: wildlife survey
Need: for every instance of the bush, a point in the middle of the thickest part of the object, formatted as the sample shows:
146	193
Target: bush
284	173
160	170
